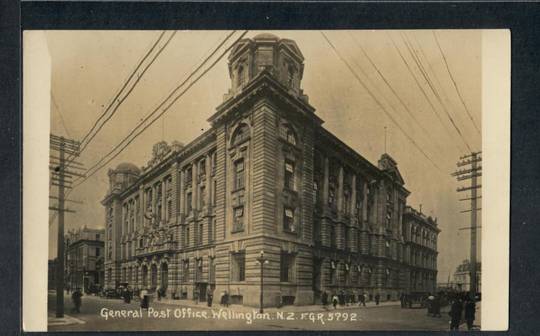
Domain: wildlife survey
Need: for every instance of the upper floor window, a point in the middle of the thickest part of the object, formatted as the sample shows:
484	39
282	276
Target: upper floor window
214	162
189	175
288	134
346	201
289	175
189	203
290	75
238	221
240	134
239	174
288	220
202	167
240	75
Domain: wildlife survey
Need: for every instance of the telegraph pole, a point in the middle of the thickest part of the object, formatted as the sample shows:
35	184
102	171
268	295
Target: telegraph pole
472	172
63	171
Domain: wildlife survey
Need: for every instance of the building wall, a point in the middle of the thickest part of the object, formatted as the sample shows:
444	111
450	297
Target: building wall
345	234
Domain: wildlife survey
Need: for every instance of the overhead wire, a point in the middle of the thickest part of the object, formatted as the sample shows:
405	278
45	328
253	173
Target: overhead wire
84	143
135	132
433	89
455	84
424	93
434	73
369	91
395	93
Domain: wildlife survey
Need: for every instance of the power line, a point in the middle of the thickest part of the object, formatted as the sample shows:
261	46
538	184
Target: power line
96	167
120	101
430	68
379	103
60	114
433	89
426	132
455	84
424	93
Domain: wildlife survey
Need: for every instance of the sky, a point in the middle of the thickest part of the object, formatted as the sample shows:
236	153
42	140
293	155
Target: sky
426	138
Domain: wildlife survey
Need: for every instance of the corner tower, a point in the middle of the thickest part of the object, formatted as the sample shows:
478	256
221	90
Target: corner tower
264	134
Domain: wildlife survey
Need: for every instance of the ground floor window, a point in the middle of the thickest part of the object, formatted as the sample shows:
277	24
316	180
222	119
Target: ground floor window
238	269
286	266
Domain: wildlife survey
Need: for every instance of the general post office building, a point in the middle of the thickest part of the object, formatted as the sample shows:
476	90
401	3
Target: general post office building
266	177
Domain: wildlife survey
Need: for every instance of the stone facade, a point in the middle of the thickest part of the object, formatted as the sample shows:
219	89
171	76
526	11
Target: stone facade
266	177
84	258
420	234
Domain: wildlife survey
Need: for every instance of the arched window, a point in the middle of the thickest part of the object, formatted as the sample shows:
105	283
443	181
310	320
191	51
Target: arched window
240	75
288	134
240	134
290	75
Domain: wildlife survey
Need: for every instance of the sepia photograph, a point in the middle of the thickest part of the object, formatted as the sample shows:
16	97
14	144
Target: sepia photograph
262	180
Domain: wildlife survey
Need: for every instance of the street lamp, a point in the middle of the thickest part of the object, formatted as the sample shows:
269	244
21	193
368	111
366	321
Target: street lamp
262	261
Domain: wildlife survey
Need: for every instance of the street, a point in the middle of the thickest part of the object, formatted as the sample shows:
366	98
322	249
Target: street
100	314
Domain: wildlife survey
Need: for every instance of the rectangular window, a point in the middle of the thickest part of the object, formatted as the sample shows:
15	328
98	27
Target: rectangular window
185	271
289	175
189	176
202	168
332	236
346	202
239	266
201	230
286	262
169	208
214	163
189	203
331	195
239	174
202	196
288	220
97	252
199	270
238	224
187	236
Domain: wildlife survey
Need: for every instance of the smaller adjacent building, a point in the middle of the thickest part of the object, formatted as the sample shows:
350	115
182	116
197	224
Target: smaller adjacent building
420	234
84	258
462	276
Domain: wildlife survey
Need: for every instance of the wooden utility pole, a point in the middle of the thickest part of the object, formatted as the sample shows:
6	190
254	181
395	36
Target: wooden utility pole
472	172
62	177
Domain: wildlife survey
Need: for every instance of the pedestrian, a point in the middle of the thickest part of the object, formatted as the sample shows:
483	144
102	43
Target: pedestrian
335	301
226	299
341	298
209	298
470	312
324	299
144	299
436	306
377	299
362	299
76	297
159	293
429	304
455	314
127	295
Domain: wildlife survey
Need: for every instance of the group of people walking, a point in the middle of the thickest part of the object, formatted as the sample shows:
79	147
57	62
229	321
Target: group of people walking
462	308
345	299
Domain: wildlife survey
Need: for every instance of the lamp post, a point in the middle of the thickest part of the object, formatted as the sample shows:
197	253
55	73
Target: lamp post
262	261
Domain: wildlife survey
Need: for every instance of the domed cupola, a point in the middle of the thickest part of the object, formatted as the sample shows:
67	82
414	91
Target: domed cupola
279	57
123	176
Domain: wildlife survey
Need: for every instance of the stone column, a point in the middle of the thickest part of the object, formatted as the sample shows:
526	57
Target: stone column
181	201
353	196
163	200
194	190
